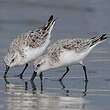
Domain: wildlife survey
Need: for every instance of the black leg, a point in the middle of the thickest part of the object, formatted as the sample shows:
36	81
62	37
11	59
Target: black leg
41	76
33	86
6	71
84	68
64	88
67	70
6	81
26	85
21	75
41	79
33	76
85	90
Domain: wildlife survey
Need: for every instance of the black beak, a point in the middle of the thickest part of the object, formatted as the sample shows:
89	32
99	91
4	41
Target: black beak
6	71
33	76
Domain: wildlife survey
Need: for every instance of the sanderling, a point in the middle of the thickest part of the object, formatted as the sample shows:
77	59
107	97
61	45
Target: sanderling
28	46
65	53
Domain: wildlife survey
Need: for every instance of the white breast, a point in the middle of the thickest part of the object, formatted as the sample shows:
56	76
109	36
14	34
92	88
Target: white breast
71	57
33	53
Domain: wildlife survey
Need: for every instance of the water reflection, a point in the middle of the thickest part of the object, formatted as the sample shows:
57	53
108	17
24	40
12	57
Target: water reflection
21	98
85	89
33	86
67	90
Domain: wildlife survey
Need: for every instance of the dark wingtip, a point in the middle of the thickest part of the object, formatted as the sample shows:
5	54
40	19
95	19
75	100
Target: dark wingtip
51	18
103	37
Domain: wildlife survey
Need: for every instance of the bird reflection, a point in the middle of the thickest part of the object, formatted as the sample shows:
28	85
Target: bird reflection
67	91
41	84
21	99
41	79
33	86
34	89
26	85
64	88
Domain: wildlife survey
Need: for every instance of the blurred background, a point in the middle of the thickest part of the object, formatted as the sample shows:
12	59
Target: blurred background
75	18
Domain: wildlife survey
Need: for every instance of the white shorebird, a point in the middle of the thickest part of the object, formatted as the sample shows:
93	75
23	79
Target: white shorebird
65	53
28	46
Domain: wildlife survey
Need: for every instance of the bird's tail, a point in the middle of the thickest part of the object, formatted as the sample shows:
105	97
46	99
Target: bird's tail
98	39
50	24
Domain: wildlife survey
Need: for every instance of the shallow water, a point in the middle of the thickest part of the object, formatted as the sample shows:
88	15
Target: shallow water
75	18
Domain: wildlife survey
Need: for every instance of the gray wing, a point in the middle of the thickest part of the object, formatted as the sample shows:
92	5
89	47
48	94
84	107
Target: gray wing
37	38
32	39
77	45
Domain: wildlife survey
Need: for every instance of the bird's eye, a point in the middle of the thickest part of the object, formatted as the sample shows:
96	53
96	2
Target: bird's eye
38	65
12	60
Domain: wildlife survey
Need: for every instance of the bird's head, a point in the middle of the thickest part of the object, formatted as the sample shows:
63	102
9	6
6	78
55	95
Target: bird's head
41	64
12	58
